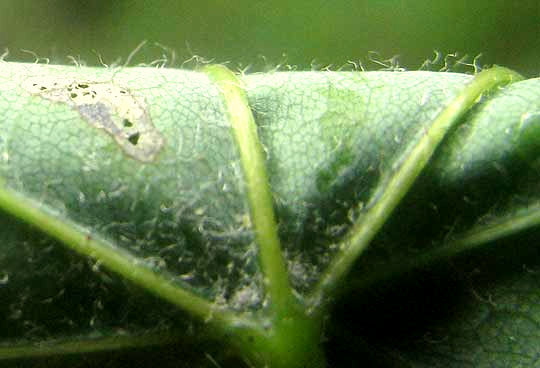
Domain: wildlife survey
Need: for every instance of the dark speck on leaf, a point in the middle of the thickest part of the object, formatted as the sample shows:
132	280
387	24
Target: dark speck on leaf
134	138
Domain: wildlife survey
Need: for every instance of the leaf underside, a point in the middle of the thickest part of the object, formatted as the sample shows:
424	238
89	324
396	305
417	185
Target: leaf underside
174	198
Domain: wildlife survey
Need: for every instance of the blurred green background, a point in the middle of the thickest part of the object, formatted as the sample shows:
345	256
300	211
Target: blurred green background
299	33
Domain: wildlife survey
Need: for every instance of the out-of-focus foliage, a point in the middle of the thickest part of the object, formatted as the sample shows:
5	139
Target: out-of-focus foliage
306	32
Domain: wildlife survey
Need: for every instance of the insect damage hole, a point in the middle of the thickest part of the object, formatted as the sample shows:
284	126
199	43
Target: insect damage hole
105	106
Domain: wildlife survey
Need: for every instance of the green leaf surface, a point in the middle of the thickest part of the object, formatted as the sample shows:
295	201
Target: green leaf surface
149	207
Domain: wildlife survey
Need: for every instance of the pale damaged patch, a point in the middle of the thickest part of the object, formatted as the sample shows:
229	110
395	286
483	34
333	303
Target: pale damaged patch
105	106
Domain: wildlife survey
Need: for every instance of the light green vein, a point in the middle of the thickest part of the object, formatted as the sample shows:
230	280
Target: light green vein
257	185
478	236
116	259
83	344
397	185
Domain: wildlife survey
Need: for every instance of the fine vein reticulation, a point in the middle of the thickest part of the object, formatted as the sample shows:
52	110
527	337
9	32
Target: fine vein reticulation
286	331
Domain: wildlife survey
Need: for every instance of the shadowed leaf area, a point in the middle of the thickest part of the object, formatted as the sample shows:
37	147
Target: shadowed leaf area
142	164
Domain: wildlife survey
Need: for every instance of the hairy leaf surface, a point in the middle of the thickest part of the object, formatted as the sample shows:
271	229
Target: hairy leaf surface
145	158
